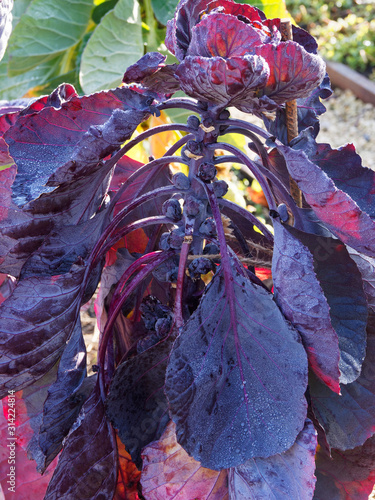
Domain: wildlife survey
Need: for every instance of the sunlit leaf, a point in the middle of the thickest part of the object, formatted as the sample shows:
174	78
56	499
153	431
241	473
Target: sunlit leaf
108	53
168	472
45	30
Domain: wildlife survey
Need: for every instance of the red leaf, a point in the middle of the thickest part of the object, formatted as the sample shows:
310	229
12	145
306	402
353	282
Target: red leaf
231	82
169	473
26	410
223	36
352	472
300	296
128	475
294	72
334	207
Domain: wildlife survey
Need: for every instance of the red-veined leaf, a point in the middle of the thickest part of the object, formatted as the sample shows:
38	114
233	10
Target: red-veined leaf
169	473
236	376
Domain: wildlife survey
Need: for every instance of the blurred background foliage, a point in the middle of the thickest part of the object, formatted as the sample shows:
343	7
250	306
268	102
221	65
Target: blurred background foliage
88	43
345	30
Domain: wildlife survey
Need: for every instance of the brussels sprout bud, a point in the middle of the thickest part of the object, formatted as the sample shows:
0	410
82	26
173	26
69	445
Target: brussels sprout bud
181	181
224	115
220	188
162	326
164	242
176	238
193	122
193	149
207	171
172	209
192	206
199	266
211	249
208	227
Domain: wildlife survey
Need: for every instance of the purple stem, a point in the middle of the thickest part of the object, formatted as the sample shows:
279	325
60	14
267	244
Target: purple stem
253	167
249	216
144	135
178	316
147	221
220	230
141	170
245	125
96	252
258	143
152	260
228	274
180	103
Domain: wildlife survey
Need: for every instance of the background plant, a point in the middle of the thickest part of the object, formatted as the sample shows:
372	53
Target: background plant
86	42
344	30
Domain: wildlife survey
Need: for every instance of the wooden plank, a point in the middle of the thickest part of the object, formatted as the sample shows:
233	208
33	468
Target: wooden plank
346	78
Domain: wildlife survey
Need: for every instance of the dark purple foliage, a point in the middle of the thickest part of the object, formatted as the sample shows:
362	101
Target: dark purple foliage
88	464
232	363
195	326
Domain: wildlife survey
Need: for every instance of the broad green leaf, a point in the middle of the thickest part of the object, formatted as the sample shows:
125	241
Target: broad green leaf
164	9
102	9
19	8
46	29
17	86
115	44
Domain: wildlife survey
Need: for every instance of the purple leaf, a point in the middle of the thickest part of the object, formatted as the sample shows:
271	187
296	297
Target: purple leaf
87	466
65	398
136	404
301	298
147	181
294	73
236	377
366	266
347	475
152	73
308	110
304	39
62	248
37	320
334	207
230	82
58	145
325	488
24	230
349	418
179	29
344	167
235	40
290	474
342	285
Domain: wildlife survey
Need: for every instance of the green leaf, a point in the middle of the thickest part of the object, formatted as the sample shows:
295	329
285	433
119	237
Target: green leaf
115	44
47	28
17	86
19	8
102	9
164	9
